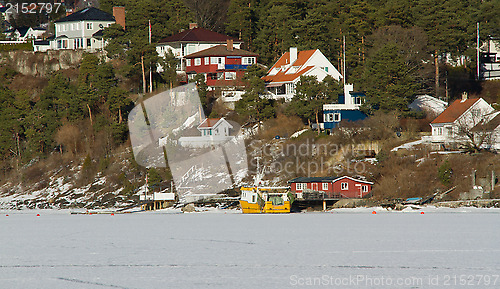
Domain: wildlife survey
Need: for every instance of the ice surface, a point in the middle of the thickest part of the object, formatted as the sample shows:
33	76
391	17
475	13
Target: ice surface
224	249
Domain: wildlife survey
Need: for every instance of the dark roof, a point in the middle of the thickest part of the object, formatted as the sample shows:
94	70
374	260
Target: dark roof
221	50
197	35
22	30
89	13
312	179
42	42
490	125
98	34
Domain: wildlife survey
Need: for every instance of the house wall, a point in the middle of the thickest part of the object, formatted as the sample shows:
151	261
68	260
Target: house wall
227	65
335	189
320	61
78	29
345	115
183	49
352	191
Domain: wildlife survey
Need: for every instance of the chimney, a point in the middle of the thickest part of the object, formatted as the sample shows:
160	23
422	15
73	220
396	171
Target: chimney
293	54
119	14
465	96
348	88
193	25
230	45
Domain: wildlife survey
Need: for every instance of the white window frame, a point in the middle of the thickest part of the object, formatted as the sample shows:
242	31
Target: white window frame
364	188
344	186
329	117
89	25
188	62
337	117
230	75
207	61
197	61
300	186
324	186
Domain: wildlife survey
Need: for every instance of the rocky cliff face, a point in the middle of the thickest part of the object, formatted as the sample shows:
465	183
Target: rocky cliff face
41	64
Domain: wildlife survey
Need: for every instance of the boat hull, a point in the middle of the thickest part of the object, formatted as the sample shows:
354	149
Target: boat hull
249	208
269	208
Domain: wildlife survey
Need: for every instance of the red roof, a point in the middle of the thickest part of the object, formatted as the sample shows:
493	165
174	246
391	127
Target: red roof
209	122
302	57
221	50
283	77
455	110
198	35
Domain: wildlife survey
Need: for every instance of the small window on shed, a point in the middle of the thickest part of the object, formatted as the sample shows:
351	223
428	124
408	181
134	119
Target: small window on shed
344	186
325	186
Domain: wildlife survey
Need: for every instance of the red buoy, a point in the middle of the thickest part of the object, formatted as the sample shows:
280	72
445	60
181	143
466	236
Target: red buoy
374	213
38	215
6	215
112	214
421	213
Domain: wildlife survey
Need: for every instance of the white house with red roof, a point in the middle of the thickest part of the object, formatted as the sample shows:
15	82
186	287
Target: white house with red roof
283	76
461	116
214	131
191	41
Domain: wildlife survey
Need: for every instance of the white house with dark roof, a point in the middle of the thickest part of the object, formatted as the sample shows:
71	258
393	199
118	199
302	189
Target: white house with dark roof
192	40
283	76
81	30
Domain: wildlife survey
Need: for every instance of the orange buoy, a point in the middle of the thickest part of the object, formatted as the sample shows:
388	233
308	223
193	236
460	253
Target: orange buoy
421	213
38	215
112	214
374	213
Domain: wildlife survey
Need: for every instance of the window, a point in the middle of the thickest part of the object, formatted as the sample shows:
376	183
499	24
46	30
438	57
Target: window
230	75
207	60
88	42
439	131
358	100
188	62
89	26
248	60
344	186
71	27
197	61
364	189
325	186
300	186
214	60
450	131
329	117
326	69
337	117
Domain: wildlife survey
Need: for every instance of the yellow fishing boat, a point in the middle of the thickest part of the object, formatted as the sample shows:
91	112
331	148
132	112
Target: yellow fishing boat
256	200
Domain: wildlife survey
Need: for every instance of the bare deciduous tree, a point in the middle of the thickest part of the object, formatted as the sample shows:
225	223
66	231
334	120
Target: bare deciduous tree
209	14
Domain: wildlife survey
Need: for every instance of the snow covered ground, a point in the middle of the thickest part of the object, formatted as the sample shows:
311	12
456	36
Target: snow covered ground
347	248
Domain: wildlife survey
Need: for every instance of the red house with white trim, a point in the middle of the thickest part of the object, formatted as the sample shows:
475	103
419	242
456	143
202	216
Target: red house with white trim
222	65
332	187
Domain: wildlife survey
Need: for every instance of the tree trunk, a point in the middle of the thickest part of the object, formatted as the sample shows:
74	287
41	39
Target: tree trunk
143	75
436	63
317	122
